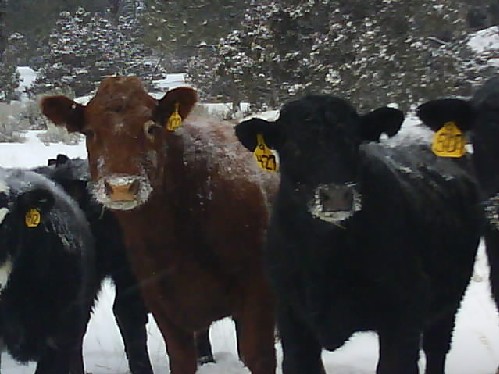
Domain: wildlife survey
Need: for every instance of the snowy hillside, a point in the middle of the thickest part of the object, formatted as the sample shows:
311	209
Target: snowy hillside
476	341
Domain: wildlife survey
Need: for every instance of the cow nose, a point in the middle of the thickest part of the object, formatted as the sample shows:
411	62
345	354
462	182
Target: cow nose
334	198
123	191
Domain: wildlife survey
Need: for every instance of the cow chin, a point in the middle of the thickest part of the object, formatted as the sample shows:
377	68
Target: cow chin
139	197
491	209
335	203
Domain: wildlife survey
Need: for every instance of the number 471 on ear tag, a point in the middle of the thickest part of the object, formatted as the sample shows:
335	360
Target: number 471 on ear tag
264	156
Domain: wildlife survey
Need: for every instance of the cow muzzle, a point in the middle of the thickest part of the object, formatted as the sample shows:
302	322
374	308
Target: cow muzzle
335	203
122	192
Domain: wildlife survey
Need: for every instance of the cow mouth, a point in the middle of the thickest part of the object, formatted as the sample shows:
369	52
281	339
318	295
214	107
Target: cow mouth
334	203
491	210
122	192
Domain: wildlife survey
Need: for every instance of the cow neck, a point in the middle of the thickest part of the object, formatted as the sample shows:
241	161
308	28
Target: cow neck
175	166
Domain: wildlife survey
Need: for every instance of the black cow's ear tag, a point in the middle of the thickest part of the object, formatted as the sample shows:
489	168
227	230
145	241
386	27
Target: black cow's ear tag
33	218
264	156
175	120
449	141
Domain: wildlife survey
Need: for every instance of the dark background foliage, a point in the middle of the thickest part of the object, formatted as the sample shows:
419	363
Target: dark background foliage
262	52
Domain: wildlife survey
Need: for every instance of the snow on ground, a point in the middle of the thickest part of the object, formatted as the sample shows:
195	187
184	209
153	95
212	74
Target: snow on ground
27	77
475	348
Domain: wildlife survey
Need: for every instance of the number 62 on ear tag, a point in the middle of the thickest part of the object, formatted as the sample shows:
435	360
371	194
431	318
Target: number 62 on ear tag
33	218
264	156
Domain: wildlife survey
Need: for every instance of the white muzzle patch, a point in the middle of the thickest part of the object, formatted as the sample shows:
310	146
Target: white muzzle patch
334	203
101	194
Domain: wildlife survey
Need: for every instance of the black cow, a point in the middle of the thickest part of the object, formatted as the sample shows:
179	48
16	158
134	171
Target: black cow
364	236
480	116
46	262
111	262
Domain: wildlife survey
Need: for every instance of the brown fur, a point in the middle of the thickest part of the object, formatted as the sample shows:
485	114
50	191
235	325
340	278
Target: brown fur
195	244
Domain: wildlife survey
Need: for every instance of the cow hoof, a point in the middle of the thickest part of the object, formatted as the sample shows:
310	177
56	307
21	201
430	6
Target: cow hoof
205	359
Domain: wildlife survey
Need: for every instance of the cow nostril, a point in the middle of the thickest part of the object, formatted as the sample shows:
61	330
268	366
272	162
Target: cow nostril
108	188
134	187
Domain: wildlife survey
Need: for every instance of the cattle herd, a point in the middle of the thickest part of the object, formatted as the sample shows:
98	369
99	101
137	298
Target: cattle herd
344	232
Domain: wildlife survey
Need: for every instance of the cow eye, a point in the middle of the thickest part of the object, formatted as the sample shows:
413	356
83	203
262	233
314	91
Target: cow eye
151	128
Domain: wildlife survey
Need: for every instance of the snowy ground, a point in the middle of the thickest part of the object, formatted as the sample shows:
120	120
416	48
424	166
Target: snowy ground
475	348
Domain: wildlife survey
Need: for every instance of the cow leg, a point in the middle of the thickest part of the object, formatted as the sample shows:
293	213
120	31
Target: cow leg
181	346
436	343
131	317
398	352
256	322
301	350
76	364
203	347
58	362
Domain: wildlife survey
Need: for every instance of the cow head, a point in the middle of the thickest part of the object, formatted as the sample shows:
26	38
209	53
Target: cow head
318	139
22	207
71	174
126	136
480	116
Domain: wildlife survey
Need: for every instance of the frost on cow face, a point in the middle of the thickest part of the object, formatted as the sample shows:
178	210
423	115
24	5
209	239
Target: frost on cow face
318	140
126	135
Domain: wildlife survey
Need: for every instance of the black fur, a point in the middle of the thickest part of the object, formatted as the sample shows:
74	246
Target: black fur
110	259
399	265
45	304
128	308
484	125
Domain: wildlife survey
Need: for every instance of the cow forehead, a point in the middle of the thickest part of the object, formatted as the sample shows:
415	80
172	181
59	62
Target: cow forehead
125	96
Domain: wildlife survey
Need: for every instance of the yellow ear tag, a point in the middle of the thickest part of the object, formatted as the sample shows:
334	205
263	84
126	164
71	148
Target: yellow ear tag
33	218
264	156
175	120
449	141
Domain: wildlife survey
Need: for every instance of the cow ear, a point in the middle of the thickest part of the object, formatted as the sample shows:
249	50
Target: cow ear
247	132
35	205
383	120
63	111
180	99
61	159
434	114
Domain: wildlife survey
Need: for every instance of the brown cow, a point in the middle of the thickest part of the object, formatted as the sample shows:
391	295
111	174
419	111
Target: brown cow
194	209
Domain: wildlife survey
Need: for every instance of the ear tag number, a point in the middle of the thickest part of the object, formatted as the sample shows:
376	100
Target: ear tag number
264	156
33	218
449	141
175	120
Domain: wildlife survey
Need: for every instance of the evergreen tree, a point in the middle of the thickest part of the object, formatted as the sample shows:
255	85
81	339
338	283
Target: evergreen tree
178	28
35	19
3	41
85	47
392	51
9	78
